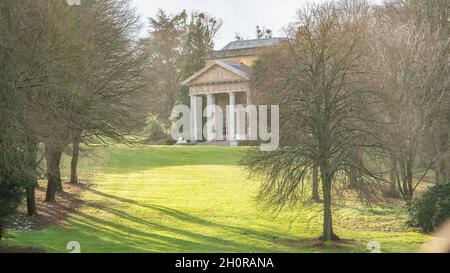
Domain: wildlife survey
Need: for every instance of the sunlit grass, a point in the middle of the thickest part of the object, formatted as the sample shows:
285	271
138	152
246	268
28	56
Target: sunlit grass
199	199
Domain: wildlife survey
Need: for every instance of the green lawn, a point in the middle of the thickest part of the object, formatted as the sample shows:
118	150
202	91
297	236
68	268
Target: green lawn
199	199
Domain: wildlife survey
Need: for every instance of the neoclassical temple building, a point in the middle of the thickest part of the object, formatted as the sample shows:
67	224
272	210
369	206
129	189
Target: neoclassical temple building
224	81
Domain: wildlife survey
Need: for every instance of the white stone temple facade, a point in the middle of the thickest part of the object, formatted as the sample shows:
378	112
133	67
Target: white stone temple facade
224	82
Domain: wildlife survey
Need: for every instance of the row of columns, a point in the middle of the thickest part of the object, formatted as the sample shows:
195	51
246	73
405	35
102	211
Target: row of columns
197	116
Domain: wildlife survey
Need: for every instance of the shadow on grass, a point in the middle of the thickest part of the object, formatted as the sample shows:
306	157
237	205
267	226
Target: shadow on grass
379	211
177	240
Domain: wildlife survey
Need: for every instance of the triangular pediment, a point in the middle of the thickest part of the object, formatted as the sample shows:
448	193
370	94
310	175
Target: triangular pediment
219	72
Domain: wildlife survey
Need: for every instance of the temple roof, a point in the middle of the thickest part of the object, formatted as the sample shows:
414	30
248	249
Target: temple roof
232	50
239	69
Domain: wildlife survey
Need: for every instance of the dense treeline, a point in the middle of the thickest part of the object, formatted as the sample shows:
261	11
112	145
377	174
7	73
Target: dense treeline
177	46
74	75
365	95
69	74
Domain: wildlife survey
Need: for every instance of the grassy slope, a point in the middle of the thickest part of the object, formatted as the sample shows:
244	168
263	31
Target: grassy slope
198	199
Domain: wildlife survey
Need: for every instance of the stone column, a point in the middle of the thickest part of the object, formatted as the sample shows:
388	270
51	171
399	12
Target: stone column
196	118
249	121
192	118
210	130
232	118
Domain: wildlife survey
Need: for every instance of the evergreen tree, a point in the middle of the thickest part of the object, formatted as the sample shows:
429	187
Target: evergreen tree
177	47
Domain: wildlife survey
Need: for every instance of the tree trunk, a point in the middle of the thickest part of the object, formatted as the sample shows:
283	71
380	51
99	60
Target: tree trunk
409	181
442	164
74	162
328	233
406	186
442	168
31	179
53	158
315	193
31	200
59	186
327	212
392	190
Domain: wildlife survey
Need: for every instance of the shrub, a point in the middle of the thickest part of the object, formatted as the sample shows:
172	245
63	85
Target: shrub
156	133
11	191
10	197
432	209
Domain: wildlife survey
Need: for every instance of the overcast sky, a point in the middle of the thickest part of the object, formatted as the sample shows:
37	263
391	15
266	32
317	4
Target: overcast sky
238	16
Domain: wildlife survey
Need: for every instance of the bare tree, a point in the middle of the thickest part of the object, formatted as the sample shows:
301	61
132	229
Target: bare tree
80	77
109	87
410	70
434	17
315	77
14	169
